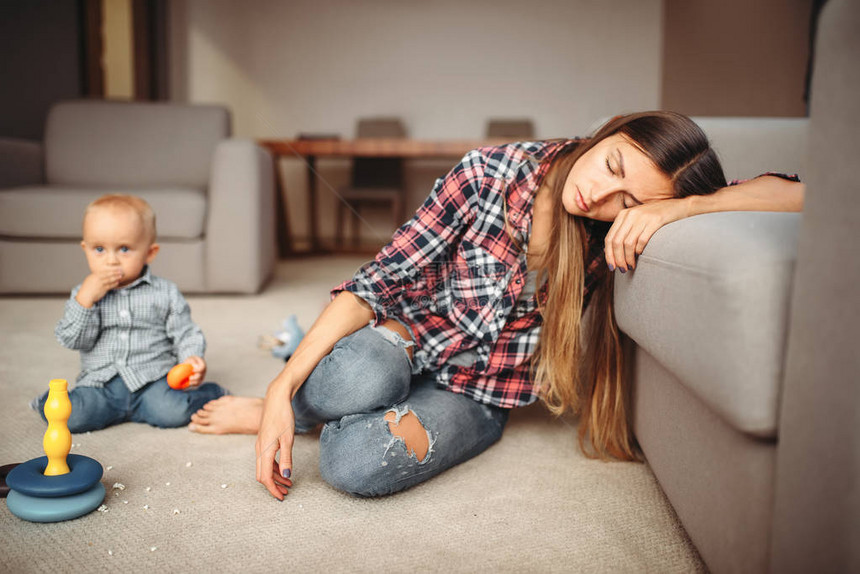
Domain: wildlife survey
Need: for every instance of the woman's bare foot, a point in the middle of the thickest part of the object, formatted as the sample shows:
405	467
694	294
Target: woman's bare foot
228	415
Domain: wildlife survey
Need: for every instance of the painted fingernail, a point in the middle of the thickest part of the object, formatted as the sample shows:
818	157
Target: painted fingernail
623	269
286	473
611	267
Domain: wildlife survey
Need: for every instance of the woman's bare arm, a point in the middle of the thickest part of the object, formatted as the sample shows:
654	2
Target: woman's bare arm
344	315
765	193
634	226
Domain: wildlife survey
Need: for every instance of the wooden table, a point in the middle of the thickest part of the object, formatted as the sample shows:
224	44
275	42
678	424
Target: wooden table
311	149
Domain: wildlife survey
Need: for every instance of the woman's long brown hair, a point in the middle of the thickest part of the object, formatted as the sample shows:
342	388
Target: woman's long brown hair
584	374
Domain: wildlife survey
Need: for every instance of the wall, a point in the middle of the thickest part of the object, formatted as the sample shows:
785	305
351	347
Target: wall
39	63
445	67
735	57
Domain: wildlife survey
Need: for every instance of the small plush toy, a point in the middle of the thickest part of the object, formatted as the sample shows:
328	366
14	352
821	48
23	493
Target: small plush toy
284	343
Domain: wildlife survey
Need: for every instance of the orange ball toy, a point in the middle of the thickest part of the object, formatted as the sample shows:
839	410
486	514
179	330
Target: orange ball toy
178	376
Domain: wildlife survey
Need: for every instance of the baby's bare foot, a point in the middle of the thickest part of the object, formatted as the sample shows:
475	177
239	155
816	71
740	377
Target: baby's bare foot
228	415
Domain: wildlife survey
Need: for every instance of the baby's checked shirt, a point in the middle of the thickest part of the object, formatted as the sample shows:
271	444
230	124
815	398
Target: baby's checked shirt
453	274
137	332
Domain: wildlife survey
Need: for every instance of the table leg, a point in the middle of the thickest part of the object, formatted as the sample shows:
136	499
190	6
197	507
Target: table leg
285	235
312	204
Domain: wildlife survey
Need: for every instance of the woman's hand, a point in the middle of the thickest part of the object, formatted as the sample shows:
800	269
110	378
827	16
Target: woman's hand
277	429
277	424
634	226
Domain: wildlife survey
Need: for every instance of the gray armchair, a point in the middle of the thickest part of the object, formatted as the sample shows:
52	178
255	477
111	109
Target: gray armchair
213	195
744	330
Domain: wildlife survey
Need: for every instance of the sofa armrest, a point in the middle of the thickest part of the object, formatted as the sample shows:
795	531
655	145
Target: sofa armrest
709	300
240	227
21	163
816	523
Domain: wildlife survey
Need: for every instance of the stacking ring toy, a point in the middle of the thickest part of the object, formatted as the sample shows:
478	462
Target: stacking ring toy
28	478
59	486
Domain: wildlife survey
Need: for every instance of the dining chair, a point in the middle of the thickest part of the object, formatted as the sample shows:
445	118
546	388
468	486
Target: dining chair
374	181
516	129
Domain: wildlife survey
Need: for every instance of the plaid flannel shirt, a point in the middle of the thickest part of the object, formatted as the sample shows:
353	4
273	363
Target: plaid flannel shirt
139	332
454	275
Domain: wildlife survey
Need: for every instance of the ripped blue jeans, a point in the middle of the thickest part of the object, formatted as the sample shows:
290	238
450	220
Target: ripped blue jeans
367	375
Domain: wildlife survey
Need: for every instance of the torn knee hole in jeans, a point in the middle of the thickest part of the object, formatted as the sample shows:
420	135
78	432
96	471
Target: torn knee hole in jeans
395	338
407	428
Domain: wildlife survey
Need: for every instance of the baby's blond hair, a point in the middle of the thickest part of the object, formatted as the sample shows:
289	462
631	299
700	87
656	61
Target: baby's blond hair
132	202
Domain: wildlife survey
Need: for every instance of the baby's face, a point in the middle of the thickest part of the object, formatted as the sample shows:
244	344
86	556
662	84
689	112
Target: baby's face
115	237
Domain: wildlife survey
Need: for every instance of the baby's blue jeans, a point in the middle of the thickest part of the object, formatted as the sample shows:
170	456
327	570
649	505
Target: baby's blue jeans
156	404
367	375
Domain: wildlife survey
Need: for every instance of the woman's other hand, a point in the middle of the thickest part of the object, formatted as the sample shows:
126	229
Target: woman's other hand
634	226
277	423
277	430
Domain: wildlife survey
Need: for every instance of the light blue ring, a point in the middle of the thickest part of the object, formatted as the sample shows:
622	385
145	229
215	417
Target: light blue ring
55	509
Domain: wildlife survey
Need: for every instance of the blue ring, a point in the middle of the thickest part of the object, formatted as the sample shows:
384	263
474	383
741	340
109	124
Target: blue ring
38	509
27	477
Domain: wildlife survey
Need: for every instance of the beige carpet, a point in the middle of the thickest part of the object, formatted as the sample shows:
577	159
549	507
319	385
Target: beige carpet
190	503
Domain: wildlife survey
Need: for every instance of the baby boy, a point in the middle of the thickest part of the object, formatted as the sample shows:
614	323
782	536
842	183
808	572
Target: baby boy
130	327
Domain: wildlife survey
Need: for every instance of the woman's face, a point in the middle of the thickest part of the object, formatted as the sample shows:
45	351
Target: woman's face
611	176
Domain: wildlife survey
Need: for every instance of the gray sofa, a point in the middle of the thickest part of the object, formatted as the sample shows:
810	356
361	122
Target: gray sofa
743	330
213	195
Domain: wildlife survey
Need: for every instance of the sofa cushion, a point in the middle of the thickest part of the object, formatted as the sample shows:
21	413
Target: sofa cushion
748	147
132	144
709	300
62	265
55	212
